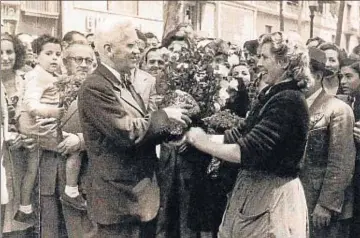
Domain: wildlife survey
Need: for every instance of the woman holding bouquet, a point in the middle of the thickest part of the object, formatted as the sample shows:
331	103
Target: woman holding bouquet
268	198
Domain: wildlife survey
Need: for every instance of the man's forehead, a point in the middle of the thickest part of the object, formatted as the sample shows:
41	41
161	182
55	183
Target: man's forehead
331	53
25	38
154	54
120	38
79	50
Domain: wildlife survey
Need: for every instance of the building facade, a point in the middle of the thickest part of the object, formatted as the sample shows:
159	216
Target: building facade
32	17
235	21
85	16
297	18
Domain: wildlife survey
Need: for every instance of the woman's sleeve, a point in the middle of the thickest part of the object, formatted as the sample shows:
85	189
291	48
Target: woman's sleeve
274	127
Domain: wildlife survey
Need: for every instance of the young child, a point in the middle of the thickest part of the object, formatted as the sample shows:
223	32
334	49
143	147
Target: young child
41	100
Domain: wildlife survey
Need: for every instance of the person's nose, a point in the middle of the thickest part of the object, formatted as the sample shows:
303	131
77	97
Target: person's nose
260	63
327	64
4	57
83	63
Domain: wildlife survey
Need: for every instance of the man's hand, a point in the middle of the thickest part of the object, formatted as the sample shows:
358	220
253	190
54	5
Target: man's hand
69	145
321	216
14	140
357	132
28	143
178	114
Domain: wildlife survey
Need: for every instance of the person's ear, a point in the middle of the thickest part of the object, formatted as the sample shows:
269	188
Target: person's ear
36	58
284	63
108	50
64	44
65	62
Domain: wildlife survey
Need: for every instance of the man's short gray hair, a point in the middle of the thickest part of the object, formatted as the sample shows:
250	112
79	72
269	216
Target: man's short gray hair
112	33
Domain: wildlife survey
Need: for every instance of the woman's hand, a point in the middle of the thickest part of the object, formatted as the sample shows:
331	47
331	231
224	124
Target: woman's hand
69	145
196	136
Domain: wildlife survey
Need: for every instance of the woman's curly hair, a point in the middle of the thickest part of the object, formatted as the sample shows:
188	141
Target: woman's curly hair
342	55
290	49
19	49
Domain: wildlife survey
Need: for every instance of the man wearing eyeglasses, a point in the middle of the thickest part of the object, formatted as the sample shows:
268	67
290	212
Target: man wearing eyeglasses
120	134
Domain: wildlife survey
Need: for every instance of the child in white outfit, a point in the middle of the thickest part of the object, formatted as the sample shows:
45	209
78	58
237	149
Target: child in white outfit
41	100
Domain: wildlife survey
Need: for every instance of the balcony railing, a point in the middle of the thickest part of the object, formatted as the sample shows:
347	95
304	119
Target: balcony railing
41	8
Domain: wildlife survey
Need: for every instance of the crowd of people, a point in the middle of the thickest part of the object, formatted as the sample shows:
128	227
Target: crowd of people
119	134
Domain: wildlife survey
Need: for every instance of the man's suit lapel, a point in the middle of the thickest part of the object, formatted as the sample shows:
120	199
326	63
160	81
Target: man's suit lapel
119	88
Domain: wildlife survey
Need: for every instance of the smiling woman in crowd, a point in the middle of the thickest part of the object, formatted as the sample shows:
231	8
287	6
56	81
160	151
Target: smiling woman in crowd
12	60
268	197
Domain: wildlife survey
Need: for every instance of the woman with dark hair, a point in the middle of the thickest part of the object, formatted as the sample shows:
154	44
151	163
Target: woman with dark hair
239	103
334	60
12	79
268	198
350	84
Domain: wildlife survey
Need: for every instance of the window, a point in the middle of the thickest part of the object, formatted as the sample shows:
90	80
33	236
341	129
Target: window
191	16
321	6
347	41
125	7
293	2
268	29
348	11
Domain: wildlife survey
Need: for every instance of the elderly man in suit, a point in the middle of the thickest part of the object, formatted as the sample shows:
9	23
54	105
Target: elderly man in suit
329	158
120	134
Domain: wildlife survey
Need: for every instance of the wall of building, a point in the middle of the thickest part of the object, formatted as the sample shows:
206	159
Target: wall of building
237	22
78	17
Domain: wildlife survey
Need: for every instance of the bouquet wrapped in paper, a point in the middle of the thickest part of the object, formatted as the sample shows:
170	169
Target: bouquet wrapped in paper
218	124
221	121
178	98
68	87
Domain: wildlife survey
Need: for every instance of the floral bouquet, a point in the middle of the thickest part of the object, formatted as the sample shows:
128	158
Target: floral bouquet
68	87
218	124
179	98
221	121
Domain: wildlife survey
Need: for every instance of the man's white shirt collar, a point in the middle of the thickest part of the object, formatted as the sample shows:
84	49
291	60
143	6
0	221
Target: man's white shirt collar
310	100
117	74
113	71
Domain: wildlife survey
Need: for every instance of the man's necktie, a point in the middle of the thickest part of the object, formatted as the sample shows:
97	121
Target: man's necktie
133	92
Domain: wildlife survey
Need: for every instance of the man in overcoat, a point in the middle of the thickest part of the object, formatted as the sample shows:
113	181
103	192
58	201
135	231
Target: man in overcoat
120	136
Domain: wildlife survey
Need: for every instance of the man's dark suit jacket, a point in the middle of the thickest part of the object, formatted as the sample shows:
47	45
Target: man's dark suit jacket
120	140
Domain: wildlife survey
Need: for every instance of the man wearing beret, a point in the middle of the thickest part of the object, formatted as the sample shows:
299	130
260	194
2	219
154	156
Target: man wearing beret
329	158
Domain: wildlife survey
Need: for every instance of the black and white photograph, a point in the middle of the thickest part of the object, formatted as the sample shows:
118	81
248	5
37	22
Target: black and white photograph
180	119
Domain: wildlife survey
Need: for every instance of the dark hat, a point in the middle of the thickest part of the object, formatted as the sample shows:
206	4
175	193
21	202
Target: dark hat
318	60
